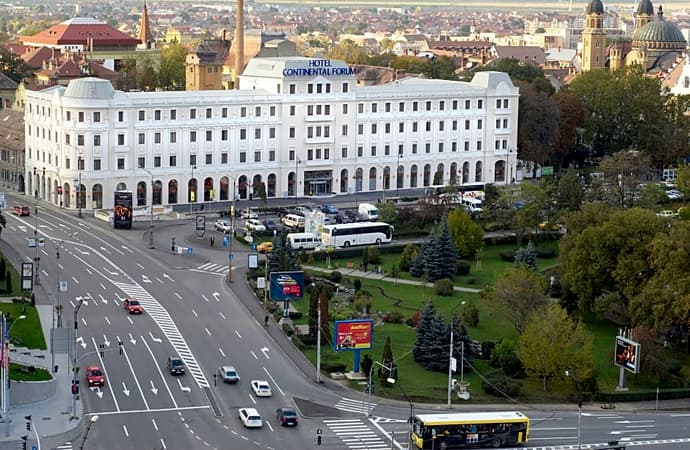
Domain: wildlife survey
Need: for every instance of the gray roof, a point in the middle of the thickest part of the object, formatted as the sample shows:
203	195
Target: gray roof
7	82
595	7
89	87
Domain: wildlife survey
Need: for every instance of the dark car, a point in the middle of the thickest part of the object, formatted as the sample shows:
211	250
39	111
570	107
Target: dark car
271	225
342	218
287	416
21	210
329	209
175	365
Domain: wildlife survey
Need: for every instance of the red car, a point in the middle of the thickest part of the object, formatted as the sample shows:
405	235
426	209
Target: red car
94	376
132	306
287	416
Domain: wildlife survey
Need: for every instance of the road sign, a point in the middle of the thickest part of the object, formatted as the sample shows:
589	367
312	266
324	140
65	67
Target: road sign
189	250
63	286
32	243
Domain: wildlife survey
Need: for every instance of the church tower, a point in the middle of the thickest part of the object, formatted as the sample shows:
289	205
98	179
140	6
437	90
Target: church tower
643	14
615	57
594	38
145	35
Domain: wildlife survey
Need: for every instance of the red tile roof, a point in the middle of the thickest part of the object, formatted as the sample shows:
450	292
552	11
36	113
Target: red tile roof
78	31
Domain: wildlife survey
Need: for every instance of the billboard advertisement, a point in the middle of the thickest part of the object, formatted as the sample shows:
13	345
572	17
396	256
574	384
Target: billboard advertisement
627	354
353	335
286	285
122	211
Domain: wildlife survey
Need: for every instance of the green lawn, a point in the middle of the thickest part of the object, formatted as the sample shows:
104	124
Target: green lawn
28	331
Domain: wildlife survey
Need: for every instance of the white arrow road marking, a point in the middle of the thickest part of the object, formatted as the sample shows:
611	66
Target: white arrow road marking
216	295
106	341
183	388
155	339
81	342
264	350
105	372
168	277
274	381
146	279
154	390
132	340
160	281
136	379
97	390
109	272
165	383
124	389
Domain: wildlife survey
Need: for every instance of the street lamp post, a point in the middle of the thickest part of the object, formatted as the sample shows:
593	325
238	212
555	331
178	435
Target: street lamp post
232	228
79	194
6	329
297	163
192	196
452	360
75	368
390	380
397	174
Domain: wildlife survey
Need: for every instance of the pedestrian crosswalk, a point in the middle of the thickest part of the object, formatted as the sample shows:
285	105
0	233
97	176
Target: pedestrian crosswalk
65	446
355	434
219	269
355	406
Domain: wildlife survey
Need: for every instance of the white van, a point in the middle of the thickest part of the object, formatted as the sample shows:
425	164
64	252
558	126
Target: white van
293	221
303	241
472	205
369	211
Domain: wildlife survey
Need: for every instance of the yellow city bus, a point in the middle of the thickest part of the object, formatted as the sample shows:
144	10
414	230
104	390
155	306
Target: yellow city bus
462	430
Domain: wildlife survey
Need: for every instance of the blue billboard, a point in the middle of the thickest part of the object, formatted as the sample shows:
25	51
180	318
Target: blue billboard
286	285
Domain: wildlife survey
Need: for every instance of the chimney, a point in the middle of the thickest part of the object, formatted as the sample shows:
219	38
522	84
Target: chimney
239	38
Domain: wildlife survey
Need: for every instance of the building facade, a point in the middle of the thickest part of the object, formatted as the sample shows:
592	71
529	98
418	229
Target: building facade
298	127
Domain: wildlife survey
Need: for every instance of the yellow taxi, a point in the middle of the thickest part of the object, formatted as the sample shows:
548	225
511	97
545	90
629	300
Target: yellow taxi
265	247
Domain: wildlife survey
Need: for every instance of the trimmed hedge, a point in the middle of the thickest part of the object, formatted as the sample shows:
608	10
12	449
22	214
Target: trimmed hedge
669	394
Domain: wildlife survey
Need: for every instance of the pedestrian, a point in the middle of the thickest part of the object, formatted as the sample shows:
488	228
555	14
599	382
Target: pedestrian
265	320
172	245
213	240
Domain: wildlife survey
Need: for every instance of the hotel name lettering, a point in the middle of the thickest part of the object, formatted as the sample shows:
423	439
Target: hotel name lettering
318	67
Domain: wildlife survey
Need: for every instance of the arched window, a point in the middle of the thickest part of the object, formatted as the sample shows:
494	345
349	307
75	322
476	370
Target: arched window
141	193
172	192
465	172
372	179
121	187
386	178
191	191
343	180
413	176
157	196
478	172
97	196
400	177
208	189
427	175
454	173
271	187
224	188
358	180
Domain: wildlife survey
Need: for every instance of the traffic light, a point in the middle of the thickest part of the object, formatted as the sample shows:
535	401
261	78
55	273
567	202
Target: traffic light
75	387
318	440
24	438
28	422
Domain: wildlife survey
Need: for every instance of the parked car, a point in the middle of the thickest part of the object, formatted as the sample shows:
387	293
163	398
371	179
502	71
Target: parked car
223	225
271	225
94	376
254	225
21	210
265	247
248	214
342	218
175	365
303	211
250	418
287	416
329	209
674	194
228	374
261	388
133	306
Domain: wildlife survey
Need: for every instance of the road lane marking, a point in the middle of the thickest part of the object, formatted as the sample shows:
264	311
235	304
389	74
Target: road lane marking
238	334
163	444
75	280
167	388
205	298
124	428
105	371
269	425
136	379
274	381
253	354
146	411
140	266
221	352
160	281
252	399
222	316
130	320
178	296
83	320
207	332
195	314
155	425
106	319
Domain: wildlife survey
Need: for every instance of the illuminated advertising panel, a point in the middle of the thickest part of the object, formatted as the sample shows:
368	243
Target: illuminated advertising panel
122	212
286	285
627	354
353	335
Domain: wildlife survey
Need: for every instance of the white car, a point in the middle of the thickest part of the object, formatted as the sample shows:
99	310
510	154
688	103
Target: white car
254	225
261	388
250	418
223	225
248	214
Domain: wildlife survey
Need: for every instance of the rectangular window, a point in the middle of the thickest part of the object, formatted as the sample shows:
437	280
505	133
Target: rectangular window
401	127
292	110
310	154
96	140
223	135
498	103
479	145
467	146
498	123
192	136
120	116
327	110
387	150
373	150
243	157
373	128
209	135
415	106
346	87
442	105
414	149
441	125
142	115
360	129
360	108
96	164
401	107
272	133
291	132
468	104
120	139
326	153
157	114
497	145
428	125
81	116
80	140
479	124
326	131
454	125
310	88
141	162
344	108
467	124
310	110
173	137
192	160
387	128
455	105
173	114
243	111
440	147
414	127
68	115
480	104
310	132
156	138
505	103
224	113
360	151
344	130
427	147
96	116
387	106
343	152
257	133
257	111
428	105
272	111
80	164
209	113
505	123
271	155
243	134
209	159
172	160
319	88
192	113
224	158
292	88
120	163
454	146
156	161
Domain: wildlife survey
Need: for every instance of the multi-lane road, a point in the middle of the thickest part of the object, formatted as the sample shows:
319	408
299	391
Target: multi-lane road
191	312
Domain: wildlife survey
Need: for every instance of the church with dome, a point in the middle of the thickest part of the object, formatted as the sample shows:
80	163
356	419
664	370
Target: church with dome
657	44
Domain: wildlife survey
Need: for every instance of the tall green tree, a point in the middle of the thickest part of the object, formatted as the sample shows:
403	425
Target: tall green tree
386	360
553	343
517	293
570	193
538	131
171	72
467	235
623	171
283	256
572	114
13	66
430	349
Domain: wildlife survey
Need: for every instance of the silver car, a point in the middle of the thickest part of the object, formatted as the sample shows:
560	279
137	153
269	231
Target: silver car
223	225
228	374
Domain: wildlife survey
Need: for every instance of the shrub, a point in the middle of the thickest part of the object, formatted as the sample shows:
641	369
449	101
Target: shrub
500	385
333	367
374	255
546	252
470	315
288	330
296	315
335	276
473	280
508	255
463	267
408	255
443	287
357	284
414	319
394	317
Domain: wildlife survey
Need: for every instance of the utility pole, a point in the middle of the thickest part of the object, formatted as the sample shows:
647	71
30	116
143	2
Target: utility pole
232	230
318	336
450	367
75	369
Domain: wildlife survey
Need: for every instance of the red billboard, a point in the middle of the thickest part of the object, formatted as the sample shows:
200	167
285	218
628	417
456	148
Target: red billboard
353	335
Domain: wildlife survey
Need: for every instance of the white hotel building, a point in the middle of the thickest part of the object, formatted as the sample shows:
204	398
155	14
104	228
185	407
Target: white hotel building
300	126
